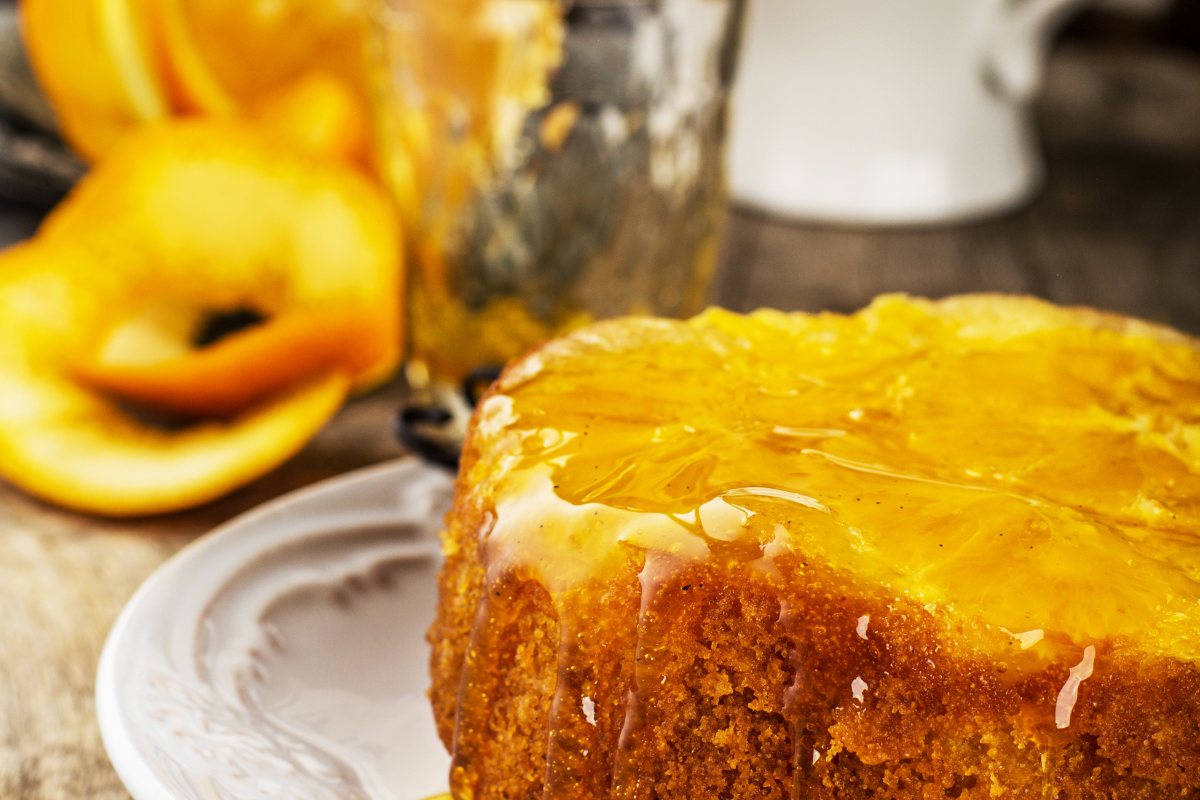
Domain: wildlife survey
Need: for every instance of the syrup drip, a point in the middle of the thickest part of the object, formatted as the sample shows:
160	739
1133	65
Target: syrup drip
569	734
803	765
479	684
629	779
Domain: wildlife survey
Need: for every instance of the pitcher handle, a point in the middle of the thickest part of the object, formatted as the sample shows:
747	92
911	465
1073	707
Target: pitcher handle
1015	58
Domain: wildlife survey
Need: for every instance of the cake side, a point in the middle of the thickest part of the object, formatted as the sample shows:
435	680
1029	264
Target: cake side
741	693
736	642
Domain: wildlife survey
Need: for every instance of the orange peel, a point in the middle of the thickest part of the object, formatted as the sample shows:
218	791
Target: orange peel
224	378
184	219
190	84
320	114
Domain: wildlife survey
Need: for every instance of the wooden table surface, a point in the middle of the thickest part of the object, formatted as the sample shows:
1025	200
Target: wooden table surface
1117	226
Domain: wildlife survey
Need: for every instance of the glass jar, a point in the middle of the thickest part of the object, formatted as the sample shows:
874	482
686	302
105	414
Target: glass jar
553	163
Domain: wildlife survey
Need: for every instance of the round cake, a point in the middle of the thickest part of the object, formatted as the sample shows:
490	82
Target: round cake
931	549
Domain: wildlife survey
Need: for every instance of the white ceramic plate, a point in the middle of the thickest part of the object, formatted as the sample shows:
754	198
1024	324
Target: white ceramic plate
283	654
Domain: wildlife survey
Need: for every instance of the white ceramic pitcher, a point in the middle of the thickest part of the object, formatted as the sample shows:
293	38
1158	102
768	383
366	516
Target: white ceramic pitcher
889	111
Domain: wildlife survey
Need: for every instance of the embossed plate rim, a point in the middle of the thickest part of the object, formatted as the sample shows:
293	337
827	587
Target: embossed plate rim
399	492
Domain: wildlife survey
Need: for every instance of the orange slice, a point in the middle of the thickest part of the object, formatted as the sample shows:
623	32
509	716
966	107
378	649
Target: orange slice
205	216
321	114
95	61
72	446
225	54
183	219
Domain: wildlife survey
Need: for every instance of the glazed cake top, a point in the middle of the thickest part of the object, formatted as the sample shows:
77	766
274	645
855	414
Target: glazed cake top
1030	474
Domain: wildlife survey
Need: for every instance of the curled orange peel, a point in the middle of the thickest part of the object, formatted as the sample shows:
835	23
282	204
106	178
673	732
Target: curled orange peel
223	53
190	84
101	305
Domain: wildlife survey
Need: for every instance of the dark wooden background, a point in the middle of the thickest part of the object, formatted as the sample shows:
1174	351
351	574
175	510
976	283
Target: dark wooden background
1116	226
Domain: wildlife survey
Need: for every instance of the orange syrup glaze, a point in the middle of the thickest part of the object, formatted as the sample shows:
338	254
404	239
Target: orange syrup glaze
995	480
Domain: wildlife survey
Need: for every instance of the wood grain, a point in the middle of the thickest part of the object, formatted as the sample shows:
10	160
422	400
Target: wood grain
1117	226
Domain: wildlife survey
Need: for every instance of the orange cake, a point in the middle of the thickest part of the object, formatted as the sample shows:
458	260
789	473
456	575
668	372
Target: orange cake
929	550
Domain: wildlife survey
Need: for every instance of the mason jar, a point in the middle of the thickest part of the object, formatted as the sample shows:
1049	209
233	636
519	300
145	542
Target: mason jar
553	163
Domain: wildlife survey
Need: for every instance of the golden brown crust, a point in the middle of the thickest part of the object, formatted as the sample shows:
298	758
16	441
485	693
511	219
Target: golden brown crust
721	725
